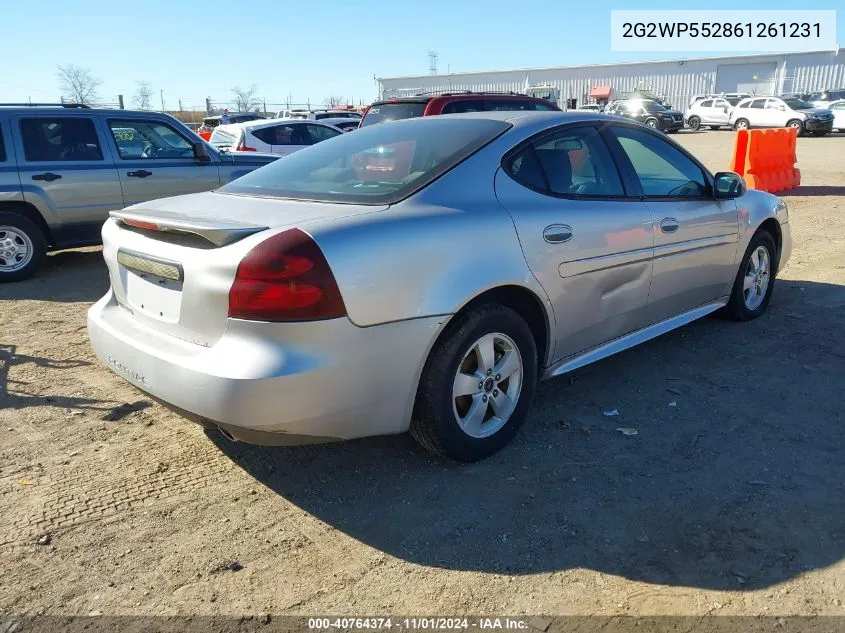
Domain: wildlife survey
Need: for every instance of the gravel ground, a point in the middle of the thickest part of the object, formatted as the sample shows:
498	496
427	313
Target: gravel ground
730	502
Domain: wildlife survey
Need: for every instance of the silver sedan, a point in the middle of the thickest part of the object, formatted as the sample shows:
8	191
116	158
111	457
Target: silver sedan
424	275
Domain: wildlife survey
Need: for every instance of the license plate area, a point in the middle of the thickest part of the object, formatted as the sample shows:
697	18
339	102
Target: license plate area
153	287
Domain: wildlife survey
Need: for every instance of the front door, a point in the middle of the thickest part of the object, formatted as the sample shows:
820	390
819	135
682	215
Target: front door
588	243
65	173
695	236
720	112
154	160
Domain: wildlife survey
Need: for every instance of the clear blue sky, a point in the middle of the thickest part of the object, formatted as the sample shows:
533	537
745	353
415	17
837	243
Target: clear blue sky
309	50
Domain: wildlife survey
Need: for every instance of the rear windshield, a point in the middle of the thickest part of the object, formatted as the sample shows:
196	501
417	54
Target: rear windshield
221	139
383	112
381	164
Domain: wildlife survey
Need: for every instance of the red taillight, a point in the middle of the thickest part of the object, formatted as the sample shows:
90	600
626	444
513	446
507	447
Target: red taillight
285	278
243	147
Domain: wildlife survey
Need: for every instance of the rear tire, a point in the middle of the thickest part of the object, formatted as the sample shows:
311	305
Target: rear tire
477	384
741	124
694	123
22	247
652	123
755	279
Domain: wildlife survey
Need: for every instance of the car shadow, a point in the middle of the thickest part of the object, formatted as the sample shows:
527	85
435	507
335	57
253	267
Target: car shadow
815	190
734	479
14	393
65	276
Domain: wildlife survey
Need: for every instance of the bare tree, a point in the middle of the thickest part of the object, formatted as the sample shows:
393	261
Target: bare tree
333	102
143	95
78	84
245	98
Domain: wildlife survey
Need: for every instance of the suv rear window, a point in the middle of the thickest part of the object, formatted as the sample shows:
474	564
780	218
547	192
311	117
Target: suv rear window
383	112
381	164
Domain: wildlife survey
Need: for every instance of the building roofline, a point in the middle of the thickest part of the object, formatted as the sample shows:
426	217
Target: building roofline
611	64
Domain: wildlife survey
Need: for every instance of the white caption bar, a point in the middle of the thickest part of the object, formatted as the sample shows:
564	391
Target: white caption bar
723	30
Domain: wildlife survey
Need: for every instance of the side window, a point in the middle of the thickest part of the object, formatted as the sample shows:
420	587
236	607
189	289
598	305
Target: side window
60	139
318	133
663	169
464	105
758	104
745	104
573	162
2	148
720	103
265	134
838	106
773	104
285	135
148	140
708	103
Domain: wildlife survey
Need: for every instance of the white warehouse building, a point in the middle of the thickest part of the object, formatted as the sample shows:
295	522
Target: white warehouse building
675	81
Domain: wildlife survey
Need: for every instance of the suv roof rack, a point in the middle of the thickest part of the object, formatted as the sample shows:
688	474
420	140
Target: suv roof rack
52	105
468	92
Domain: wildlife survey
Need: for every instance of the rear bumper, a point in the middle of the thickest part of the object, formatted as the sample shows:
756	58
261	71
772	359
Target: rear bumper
274	383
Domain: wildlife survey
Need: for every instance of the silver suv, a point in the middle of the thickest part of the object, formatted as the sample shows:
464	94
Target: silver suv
64	167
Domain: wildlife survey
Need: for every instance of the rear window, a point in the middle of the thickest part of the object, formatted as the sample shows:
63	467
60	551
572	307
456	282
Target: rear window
487	104
384	112
221	139
381	164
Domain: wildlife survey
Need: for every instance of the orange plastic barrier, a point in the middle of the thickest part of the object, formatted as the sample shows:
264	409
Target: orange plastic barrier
766	159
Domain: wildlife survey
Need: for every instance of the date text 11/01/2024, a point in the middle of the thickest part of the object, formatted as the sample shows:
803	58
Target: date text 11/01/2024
721	29
424	623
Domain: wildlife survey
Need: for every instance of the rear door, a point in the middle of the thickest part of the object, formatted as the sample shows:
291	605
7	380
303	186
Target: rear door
289	138
66	173
757	114
585	239
318	133
158	161
695	236
838	110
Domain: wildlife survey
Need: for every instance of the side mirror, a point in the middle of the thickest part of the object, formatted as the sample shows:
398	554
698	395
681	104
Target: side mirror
201	152
728	185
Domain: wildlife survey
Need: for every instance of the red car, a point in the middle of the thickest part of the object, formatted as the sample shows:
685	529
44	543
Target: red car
450	103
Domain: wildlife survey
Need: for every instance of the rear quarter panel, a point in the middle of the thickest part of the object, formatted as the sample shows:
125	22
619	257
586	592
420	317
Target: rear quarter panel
428	255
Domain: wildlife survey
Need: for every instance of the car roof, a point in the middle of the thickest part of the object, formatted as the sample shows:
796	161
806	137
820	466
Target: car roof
337	119
261	123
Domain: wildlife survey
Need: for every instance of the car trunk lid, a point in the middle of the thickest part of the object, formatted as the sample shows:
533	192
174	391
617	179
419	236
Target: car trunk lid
172	261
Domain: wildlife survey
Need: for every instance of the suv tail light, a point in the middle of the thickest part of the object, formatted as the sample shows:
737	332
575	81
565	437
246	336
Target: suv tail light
285	278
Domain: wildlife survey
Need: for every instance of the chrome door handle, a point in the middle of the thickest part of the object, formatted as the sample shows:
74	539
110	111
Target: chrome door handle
557	233
668	225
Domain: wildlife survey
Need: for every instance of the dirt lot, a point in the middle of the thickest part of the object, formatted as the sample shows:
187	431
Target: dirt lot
730	502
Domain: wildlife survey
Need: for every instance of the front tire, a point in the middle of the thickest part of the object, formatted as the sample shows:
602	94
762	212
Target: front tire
477	384
796	124
755	279
741	124
22	247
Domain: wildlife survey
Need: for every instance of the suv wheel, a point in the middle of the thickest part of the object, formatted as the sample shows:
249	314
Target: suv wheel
741	124
694	123
477	384
22	247
796	124
652	122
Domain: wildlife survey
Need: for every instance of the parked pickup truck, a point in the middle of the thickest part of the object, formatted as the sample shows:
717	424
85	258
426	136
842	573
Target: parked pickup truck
64	167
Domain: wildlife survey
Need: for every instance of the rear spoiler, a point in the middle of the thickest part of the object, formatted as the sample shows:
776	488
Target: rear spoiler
218	232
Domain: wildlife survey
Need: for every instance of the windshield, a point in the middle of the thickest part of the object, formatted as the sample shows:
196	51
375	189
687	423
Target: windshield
383	112
381	164
797	104
222	139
